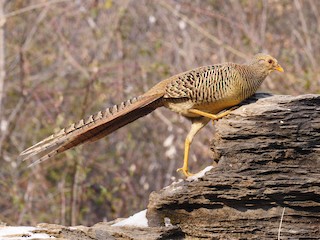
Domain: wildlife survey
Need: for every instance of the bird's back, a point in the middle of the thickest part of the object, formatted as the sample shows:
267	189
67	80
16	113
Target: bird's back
210	88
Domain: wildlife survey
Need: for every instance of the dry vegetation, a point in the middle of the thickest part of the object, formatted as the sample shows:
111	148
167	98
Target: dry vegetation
65	59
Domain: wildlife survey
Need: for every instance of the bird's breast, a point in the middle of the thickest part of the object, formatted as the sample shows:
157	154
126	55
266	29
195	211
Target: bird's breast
209	107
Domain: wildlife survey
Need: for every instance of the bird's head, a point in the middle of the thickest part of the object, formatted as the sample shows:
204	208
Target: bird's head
266	63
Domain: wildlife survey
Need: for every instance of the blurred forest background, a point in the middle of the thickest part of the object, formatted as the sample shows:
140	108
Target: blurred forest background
61	60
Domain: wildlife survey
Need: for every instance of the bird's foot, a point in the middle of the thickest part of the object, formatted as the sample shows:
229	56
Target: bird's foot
224	113
185	172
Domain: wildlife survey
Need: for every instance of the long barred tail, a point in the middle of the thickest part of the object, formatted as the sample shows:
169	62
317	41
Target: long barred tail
93	128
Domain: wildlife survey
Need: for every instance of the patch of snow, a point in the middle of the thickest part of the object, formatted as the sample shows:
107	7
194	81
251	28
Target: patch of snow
137	220
167	222
200	174
175	182
173	186
21	233
72	228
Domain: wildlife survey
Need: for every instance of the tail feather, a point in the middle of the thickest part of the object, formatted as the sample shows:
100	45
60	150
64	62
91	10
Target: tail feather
93	128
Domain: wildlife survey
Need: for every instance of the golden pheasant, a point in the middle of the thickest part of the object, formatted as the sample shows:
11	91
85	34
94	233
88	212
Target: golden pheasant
199	94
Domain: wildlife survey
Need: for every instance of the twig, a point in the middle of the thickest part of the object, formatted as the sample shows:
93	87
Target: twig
263	25
280	225
307	43
2	58
32	7
77	180
212	13
203	31
35	27
6	134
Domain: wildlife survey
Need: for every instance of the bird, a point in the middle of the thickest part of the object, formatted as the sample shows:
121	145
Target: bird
201	94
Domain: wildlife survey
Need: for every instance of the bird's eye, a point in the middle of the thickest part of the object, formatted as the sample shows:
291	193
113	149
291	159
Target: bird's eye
270	61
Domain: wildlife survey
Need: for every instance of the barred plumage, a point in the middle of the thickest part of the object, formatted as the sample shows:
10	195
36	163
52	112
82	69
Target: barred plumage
198	94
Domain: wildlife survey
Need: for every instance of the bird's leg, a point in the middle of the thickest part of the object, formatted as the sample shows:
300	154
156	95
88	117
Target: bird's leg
212	116
195	128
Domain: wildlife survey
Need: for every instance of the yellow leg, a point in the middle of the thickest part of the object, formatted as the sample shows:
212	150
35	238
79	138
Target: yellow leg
195	128
184	168
210	115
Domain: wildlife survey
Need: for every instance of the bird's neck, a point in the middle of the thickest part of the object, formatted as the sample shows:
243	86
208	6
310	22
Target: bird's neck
253	79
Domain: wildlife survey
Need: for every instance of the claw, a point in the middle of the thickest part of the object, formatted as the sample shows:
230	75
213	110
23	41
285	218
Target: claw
185	172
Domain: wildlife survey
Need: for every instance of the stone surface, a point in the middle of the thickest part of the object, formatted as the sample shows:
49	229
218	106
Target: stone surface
268	154
100	231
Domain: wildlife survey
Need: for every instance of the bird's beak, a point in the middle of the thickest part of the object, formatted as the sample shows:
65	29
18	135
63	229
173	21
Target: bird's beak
279	68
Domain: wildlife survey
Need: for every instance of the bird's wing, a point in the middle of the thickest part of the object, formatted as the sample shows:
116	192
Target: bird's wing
203	84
